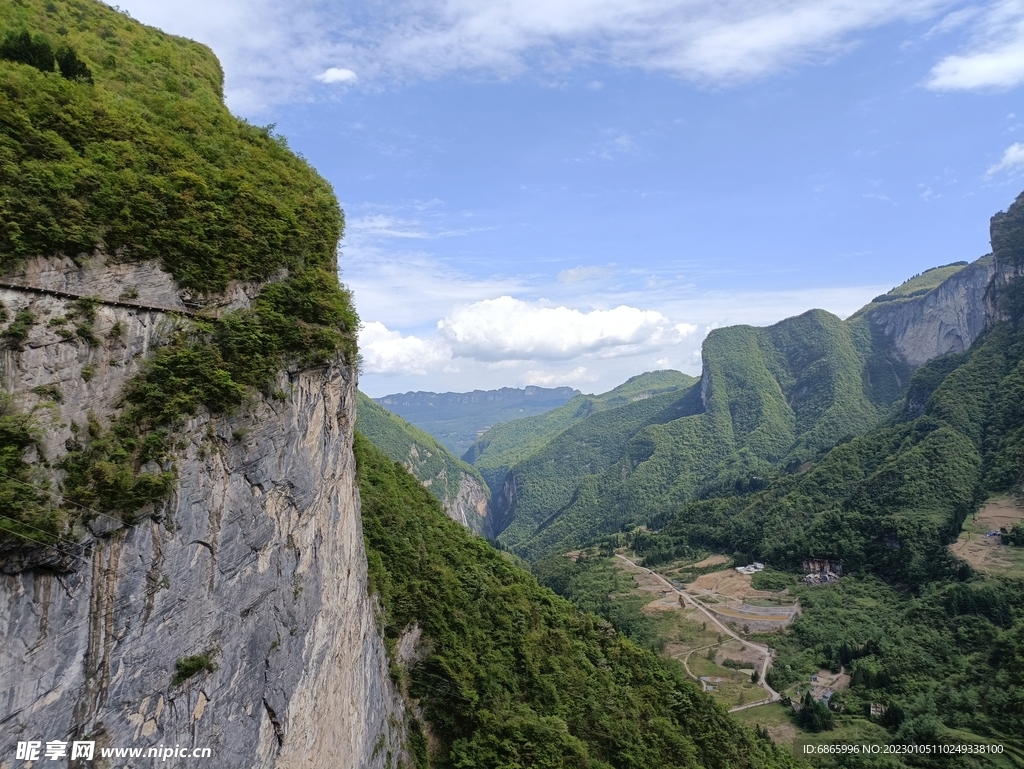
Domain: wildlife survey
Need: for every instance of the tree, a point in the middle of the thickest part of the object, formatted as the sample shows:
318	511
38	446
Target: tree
71	67
814	716
1015	536
25	49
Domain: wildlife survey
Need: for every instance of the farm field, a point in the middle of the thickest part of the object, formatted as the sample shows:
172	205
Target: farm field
986	553
689	636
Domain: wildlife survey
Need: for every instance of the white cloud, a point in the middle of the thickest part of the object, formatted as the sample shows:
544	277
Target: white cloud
953	20
573	378
995	57
364	228
507	328
581	273
706	40
1013	158
272	50
388	352
337	75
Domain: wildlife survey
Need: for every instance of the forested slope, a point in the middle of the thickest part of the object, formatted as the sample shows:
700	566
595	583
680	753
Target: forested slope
769	399
457	485
506	444
890	500
938	644
510	675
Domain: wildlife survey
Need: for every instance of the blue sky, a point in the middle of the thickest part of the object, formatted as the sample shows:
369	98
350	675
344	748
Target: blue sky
575	191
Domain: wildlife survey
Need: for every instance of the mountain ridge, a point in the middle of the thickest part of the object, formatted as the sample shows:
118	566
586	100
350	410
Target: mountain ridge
458	486
768	398
457	419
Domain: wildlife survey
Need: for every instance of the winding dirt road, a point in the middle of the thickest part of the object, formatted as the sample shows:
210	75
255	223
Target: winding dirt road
773	696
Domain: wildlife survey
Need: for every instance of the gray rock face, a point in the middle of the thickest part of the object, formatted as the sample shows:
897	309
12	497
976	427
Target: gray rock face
256	564
945	320
470	505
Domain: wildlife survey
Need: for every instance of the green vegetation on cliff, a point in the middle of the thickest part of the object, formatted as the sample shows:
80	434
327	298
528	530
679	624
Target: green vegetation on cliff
25	509
769	399
513	675
146	162
922	283
141	160
430	462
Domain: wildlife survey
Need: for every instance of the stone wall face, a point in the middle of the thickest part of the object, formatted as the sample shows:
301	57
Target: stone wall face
943	321
257	562
470	506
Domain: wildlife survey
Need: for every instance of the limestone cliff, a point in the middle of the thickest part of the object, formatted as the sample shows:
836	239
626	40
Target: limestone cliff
470	506
464	497
945	320
256	564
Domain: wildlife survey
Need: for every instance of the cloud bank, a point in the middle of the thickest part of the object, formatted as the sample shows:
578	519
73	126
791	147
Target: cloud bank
1013	158
505	329
275	53
510	329
995	56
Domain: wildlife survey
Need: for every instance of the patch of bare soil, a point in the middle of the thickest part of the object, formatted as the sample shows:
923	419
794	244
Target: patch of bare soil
711	560
666	603
987	553
728	582
783	734
734	650
1000	513
646	582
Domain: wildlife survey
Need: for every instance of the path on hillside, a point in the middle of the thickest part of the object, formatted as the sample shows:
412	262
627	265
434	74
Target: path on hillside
62	294
773	696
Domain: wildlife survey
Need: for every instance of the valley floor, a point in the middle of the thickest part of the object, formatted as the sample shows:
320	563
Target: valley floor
703	651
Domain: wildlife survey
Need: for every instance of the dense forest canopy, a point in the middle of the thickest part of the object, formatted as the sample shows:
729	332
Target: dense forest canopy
115	142
933	647
515	676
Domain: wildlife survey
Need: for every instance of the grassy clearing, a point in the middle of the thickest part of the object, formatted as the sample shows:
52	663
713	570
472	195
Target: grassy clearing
989	554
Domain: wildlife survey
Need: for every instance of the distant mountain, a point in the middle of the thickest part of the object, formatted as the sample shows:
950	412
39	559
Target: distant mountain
458	419
769	399
892	499
458	486
507	444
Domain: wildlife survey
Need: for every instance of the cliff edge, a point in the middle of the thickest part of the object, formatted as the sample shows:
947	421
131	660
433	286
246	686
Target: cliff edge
253	571
181	554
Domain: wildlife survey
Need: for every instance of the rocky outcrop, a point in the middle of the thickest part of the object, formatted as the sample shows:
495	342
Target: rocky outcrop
470	505
255	569
945	320
503	505
1005	298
